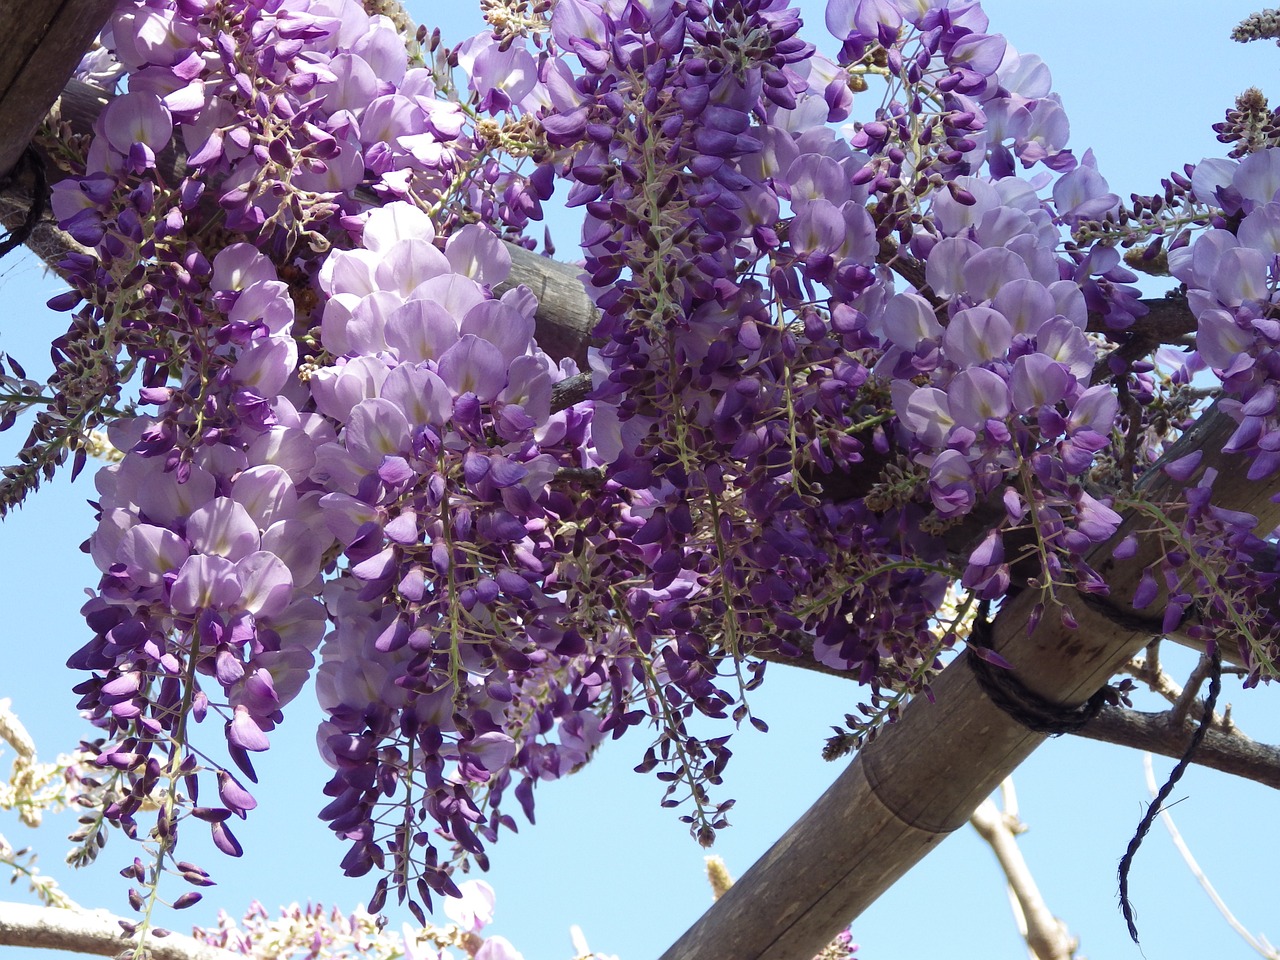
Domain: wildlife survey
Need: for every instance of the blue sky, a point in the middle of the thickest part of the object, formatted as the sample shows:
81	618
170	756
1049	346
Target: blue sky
1142	83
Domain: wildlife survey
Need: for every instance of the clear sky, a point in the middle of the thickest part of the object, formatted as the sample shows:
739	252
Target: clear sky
1142	83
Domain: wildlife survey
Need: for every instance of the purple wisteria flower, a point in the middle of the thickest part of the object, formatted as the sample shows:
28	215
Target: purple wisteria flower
1230	278
834	371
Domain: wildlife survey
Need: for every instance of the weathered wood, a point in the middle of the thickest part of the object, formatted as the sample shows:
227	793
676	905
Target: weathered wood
43	42
566	315
46	241
79	106
93	932
1232	753
924	776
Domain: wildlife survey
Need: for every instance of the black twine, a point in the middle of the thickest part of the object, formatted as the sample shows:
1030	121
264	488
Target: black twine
1215	686
30	162
1006	691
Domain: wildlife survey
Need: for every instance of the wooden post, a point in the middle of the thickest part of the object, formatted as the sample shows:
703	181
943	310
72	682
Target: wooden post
566	316
43	42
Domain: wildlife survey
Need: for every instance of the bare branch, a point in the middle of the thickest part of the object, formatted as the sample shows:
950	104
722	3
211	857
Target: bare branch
1224	748
1009	800
1046	935
1232	753
1149	671
1183	705
94	932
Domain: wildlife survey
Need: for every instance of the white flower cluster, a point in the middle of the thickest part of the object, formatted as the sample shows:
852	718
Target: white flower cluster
32	788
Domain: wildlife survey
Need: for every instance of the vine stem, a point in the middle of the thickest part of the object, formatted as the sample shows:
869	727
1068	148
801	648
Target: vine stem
686	766
173	773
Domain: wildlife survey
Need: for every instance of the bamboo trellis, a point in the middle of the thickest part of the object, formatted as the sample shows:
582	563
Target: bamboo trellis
924	775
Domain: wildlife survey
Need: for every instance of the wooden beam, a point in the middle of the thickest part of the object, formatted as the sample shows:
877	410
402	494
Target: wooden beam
43	43
923	776
566	316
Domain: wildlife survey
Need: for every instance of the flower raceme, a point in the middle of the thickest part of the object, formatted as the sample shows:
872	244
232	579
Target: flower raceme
440	498
835	371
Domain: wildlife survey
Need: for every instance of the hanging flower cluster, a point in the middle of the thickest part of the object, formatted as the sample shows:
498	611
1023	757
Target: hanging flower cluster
452	650
209	551
307	421
836	371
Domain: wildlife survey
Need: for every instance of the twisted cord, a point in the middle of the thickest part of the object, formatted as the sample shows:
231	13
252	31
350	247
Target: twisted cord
1006	691
1153	810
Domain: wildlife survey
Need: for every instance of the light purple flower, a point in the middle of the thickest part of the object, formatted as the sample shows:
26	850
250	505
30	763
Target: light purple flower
376	429
474	366
944	270
499	323
908	319
1210	176
818	229
987	271
1063	341
266	585
149	552
977	395
1026	304
1261	229
339	388
1241	275
1083	193
137	118
1038	380
1095	410
239	266
205	583
498	948
423	397
981	53
1257	176
223	528
977	335
925	411
951	486
475	252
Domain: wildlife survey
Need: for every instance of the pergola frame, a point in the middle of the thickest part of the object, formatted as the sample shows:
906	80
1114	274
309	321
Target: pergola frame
924	775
